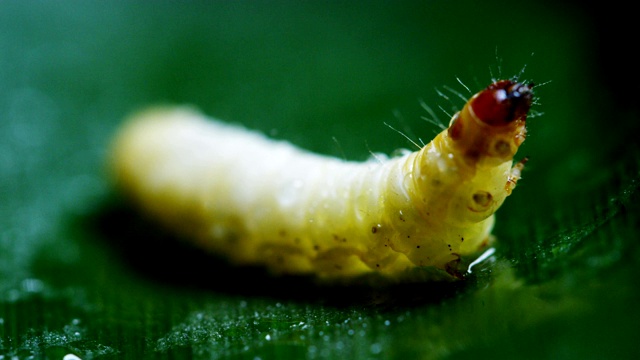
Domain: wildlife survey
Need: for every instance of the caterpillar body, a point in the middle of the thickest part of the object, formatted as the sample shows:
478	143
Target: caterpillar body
263	202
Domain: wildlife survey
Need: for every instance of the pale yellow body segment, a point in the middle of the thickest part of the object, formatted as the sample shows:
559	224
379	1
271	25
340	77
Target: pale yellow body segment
264	202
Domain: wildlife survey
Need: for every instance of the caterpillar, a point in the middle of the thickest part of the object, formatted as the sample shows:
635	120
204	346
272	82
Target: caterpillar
259	201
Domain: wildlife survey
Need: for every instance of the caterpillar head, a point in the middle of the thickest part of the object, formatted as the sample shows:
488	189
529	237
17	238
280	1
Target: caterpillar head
491	126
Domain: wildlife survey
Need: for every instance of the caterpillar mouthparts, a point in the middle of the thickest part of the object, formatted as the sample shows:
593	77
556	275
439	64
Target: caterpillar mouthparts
258	201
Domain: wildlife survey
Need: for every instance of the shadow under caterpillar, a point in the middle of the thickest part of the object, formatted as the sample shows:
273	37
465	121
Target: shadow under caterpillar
259	201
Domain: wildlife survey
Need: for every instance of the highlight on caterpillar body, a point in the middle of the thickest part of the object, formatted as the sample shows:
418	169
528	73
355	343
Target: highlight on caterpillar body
257	201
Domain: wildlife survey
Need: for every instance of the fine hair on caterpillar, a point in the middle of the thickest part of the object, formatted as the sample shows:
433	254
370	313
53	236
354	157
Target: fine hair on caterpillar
447	93
258	201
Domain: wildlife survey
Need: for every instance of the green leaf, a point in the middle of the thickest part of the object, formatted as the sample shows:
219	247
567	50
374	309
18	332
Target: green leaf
81	272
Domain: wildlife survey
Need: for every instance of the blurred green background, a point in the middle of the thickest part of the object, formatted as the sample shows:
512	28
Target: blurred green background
82	273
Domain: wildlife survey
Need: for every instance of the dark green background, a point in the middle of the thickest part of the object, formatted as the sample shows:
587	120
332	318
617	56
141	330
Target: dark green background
81	272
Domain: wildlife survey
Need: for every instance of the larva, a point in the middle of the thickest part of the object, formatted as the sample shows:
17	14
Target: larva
263	202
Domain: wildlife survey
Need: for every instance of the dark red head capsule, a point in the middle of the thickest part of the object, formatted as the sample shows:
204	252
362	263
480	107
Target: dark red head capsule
502	102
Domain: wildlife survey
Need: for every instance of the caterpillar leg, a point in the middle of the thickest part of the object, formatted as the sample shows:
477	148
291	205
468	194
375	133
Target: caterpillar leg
516	174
